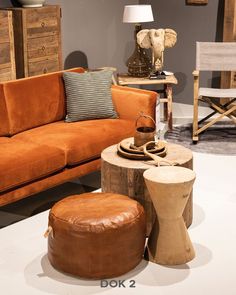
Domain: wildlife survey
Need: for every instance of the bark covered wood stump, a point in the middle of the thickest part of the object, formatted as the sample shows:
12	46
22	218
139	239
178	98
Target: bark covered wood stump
123	176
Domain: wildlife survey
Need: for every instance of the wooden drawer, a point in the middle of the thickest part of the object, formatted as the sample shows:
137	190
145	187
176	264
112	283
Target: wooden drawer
6	74
5	53
4	26
42	21
47	65
40	47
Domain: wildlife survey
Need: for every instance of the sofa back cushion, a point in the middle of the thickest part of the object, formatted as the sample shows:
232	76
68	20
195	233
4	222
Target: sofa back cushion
35	101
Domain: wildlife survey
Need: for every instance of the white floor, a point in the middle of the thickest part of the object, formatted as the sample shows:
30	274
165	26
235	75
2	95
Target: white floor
183	113
24	267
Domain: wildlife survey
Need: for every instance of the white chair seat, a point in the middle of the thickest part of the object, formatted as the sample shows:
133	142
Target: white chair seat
216	92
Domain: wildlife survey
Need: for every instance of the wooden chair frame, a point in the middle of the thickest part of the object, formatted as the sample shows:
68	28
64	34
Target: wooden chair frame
226	109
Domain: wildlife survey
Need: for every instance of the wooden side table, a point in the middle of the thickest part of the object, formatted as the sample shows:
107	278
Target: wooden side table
124	80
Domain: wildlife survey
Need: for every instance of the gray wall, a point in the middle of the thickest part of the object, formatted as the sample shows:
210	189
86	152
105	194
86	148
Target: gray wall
192	23
93	33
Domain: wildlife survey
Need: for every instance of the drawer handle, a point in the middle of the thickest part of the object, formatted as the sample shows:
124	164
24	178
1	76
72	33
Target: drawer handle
43	48
45	70
43	24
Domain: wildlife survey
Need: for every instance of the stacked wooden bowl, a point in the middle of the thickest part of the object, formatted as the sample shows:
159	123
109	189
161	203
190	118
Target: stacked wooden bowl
127	149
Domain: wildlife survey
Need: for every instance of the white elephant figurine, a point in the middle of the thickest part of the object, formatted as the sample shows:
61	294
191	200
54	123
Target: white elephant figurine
157	40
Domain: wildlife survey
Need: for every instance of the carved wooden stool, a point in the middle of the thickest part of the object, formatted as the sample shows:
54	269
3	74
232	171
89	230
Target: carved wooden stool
169	188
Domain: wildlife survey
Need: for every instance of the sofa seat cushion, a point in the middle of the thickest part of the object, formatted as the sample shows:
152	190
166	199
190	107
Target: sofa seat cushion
23	162
81	141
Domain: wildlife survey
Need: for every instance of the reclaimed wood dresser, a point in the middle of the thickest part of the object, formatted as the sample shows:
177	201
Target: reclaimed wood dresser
37	35
7	59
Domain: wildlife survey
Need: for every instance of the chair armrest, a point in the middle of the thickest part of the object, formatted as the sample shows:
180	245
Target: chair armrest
129	102
195	84
195	73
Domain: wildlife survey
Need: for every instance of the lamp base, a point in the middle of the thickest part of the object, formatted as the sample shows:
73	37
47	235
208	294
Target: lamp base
139	63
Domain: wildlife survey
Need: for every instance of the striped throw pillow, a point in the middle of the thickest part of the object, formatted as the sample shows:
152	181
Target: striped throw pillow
88	96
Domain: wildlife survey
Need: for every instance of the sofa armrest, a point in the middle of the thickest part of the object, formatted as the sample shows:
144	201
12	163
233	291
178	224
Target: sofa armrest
129	102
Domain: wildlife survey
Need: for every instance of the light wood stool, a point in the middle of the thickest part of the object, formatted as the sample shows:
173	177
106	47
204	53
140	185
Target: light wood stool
169	189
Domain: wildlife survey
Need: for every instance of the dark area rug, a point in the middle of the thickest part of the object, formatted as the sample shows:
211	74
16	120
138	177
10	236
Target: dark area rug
218	139
40	202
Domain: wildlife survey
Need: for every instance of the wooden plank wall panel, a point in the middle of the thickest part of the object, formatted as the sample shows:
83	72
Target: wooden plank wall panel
7	55
228	79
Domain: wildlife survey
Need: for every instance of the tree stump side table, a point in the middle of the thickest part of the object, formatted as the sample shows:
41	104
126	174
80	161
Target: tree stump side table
169	188
124	176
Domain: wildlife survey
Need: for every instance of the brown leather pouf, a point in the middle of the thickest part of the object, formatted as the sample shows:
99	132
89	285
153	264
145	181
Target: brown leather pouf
96	235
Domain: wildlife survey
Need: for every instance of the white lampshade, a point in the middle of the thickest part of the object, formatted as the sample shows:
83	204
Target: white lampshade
137	14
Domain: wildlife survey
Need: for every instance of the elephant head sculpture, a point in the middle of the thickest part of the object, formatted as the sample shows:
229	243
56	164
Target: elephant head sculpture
157	40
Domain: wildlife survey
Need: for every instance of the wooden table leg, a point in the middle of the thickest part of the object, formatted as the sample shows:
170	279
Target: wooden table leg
168	112
165	108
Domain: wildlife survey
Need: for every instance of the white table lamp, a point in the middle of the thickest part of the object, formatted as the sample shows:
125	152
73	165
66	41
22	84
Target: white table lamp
137	14
139	64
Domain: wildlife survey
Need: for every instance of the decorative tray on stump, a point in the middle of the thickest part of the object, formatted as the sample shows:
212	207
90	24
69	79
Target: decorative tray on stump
144	146
127	149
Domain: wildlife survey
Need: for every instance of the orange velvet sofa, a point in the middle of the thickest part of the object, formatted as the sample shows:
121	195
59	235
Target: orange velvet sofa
38	150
